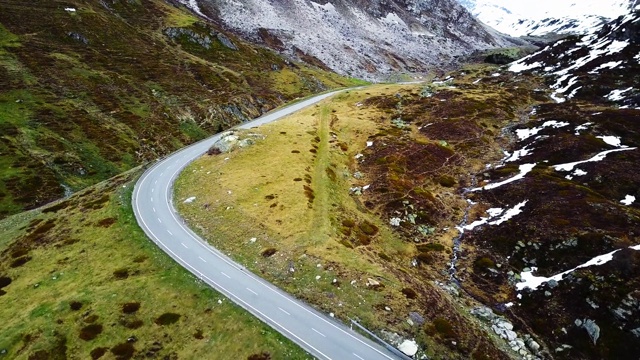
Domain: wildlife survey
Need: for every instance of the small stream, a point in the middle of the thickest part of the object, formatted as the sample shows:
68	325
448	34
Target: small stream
457	241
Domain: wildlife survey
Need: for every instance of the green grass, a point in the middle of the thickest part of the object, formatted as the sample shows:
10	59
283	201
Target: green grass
95	104
95	238
254	194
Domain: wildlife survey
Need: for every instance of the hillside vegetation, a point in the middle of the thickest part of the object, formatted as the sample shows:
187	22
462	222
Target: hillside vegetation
89	89
80	280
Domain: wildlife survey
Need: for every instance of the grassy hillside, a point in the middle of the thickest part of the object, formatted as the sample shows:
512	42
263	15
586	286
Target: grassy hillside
439	200
89	89
80	280
353	163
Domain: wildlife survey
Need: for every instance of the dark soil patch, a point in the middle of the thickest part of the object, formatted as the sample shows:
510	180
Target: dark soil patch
4	281
98	203
75	305
261	356
97	353
133	324
123	351
90	332
105	223
269	252
167	319
20	261
130	308
55	208
121	274
409	293
295	151
297	179
198	335
140	259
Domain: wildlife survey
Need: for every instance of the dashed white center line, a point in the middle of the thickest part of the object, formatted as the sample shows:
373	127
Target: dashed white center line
152	189
170	233
255	293
229	277
318	332
151	199
356	355
185	246
203	260
160	221
156	182
281	309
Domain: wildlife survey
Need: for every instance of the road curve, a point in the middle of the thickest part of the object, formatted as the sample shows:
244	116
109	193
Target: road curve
320	335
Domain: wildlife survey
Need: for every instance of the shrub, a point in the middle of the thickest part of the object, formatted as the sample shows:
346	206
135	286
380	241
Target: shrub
446	181
444	328
368	228
485	263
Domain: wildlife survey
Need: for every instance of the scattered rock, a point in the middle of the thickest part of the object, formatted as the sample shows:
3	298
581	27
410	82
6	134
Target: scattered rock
534	346
592	329
372	282
408	347
416	318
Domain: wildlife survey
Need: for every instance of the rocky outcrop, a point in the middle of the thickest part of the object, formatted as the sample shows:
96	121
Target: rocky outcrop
369	39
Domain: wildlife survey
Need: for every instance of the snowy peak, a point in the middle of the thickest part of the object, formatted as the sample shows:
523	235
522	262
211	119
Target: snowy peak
538	18
359	38
602	67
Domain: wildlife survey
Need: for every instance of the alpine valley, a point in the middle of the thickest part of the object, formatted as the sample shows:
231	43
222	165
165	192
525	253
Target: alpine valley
456	208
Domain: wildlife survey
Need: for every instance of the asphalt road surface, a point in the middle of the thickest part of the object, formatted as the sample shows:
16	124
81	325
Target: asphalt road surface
320	335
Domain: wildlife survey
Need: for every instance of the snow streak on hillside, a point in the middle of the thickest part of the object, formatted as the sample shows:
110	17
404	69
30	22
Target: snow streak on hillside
602	67
520	18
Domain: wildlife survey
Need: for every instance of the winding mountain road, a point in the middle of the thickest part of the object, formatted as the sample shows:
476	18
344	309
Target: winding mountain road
321	336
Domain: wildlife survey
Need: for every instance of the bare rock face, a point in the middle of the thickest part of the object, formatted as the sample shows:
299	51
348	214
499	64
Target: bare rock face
366	39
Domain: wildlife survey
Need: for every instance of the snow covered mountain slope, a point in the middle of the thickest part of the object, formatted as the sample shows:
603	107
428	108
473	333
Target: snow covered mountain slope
536	18
601	67
359	38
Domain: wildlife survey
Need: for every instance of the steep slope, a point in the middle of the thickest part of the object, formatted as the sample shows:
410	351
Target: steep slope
602	67
366	39
521	18
89	89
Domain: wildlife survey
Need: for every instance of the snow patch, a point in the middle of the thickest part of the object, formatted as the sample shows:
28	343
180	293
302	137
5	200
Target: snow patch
599	157
524	170
524	134
612	140
617	95
628	200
